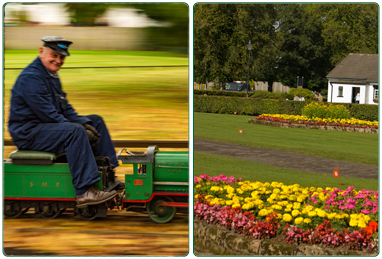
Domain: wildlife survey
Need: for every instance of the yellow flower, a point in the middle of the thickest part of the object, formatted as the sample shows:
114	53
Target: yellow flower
296	205
239	191
273	196
236	205
331	215
295	213
230	190
309	208
229	196
353	223
263	212
361	223
229	203
215	188
312	213
307	220
321	214
276	207
274	184
246	206
287	217
298	220
198	186
208	197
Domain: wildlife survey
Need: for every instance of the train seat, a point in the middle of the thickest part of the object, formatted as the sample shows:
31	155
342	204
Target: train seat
28	157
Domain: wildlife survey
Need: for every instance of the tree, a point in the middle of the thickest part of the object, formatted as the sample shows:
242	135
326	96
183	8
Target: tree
302	50
85	14
221	35
348	28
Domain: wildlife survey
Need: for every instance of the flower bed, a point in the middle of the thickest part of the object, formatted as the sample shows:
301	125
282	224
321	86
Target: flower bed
302	215
300	119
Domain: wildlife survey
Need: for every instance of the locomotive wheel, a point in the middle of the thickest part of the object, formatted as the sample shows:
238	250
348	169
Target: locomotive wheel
48	210
158	212
12	210
89	212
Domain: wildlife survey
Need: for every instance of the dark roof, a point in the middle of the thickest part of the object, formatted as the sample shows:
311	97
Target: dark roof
357	67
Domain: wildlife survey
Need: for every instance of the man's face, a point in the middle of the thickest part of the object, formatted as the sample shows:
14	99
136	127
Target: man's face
51	59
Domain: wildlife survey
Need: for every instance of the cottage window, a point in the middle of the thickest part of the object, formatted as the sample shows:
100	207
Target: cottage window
375	95
340	91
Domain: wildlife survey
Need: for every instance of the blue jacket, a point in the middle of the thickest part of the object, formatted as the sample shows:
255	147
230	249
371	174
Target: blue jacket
37	98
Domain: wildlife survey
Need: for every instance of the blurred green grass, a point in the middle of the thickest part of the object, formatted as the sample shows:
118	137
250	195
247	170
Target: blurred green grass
94	58
136	103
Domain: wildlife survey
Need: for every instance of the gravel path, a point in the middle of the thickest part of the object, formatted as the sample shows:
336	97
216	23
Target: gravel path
285	159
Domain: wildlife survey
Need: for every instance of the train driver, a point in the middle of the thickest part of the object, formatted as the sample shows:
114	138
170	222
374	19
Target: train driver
41	119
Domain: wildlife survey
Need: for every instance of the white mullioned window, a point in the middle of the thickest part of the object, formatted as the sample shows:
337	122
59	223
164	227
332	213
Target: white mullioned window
340	91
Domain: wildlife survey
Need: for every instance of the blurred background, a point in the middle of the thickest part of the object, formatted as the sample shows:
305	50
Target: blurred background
128	64
128	26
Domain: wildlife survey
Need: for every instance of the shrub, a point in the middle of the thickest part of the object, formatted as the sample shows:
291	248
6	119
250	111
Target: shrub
268	95
258	106
320	110
306	93
363	111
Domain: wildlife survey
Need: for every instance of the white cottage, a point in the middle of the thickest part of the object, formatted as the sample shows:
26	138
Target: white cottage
356	74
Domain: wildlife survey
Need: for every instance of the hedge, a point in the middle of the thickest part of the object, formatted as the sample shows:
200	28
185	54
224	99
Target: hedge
308	95
256	107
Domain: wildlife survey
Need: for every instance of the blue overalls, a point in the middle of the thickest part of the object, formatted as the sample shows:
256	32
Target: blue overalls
41	119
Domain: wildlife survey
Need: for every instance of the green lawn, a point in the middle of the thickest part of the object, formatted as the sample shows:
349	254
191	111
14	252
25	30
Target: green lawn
345	146
215	165
136	103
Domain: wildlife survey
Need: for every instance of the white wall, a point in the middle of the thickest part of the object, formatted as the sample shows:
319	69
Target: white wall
366	93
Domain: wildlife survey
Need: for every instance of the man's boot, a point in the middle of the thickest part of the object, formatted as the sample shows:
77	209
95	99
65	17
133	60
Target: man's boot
94	196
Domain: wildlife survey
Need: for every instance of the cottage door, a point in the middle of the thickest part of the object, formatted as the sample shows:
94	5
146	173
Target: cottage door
355	91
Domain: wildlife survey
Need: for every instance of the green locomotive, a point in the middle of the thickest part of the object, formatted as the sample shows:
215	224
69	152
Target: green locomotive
42	181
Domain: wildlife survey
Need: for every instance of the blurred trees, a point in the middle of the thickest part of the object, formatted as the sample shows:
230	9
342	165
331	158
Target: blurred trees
289	40
85	14
171	37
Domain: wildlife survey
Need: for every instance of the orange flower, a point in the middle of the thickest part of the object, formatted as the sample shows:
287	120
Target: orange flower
372	227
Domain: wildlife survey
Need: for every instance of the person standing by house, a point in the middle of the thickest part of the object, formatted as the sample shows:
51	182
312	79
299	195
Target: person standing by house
357	98
320	98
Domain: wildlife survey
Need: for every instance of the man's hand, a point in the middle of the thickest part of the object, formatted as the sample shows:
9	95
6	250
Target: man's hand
93	134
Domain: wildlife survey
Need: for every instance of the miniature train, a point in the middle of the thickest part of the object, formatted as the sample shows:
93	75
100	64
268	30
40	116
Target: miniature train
42	181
